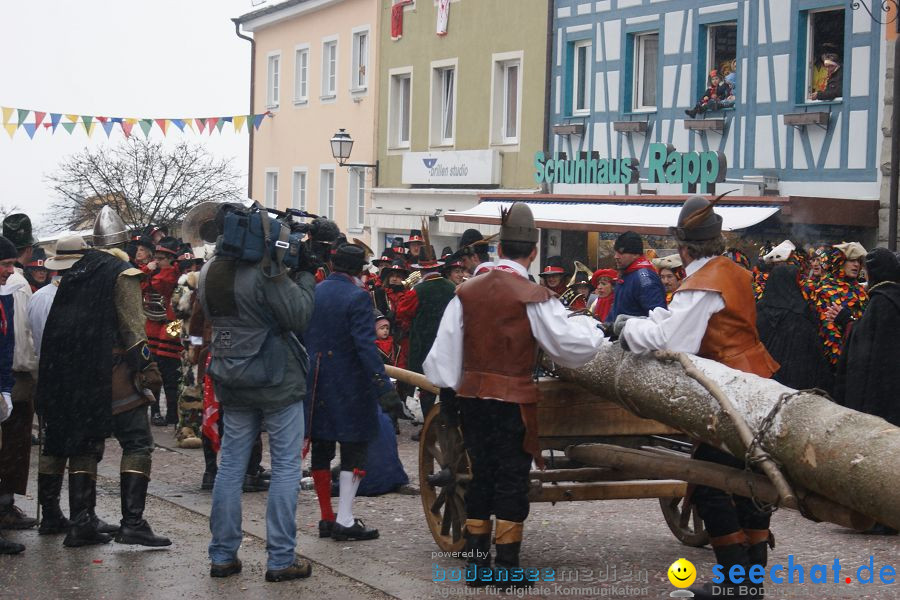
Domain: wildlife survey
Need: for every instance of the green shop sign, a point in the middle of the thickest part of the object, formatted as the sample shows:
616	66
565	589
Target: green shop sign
667	165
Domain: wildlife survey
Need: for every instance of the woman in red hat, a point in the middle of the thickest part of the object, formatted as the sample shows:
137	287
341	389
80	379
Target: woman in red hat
604	281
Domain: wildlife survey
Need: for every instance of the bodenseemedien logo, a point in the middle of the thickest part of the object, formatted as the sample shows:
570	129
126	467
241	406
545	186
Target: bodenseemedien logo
682	574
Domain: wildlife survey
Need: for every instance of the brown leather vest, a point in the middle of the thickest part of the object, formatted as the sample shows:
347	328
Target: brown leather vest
731	337
499	351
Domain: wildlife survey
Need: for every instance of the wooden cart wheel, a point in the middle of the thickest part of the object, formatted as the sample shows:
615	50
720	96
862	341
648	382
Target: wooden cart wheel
444	473
684	522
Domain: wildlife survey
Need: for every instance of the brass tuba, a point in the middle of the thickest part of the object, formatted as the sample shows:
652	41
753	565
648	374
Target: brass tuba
199	226
411	280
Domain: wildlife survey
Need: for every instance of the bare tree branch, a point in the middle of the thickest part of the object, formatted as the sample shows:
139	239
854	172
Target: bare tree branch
144	182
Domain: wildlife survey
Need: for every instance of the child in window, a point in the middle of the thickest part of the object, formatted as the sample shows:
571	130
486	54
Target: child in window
712	99
827	78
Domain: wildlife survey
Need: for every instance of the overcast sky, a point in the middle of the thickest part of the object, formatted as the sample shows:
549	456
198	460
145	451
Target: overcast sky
132	58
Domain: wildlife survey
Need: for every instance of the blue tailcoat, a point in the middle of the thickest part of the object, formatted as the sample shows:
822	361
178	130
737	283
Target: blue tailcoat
346	375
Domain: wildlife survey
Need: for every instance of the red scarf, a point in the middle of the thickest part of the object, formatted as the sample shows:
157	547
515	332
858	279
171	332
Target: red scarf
603	306
388	349
639	263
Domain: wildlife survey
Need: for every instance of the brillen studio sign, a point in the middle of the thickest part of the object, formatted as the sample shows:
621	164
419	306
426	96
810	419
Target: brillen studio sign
666	165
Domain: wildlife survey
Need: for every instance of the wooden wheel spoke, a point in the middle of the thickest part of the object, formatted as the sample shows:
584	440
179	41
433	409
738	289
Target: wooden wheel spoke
435	453
447	520
440	501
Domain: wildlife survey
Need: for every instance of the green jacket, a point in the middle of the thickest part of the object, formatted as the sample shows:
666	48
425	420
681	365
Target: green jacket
433	296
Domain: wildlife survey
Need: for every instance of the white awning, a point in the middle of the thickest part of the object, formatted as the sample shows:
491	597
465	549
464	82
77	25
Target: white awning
611	216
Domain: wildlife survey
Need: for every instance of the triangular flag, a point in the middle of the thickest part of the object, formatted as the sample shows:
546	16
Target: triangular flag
189	123
239	122
23	114
211	122
39	117
178	123
86	121
220	124
146	124
107	127
257	121
163	123
69	126
29	129
103	119
89	128
7	113
131	121
117	119
54	120
11	128
228	119
72	118
126	127
201	124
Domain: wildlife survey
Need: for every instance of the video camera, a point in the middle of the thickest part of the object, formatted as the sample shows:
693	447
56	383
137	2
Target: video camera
251	234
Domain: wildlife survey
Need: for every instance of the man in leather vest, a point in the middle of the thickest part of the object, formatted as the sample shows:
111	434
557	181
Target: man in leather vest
713	315
94	381
486	348
258	367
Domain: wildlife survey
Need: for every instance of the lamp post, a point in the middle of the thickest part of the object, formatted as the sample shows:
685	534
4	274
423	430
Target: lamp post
341	146
884	6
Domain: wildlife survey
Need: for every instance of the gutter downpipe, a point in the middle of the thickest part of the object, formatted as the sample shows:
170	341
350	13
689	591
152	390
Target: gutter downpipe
549	74
237	31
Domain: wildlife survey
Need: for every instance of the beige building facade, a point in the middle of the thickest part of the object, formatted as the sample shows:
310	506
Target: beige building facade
316	71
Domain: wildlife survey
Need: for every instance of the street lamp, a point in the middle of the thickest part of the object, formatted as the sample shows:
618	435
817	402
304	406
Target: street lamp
341	146
884	6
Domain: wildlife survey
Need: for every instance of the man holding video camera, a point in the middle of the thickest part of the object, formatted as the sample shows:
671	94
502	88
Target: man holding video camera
258	310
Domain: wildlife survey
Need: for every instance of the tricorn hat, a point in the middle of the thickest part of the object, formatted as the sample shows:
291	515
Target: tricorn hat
554	266
38	257
399	265
697	222
17	229
385	259
168	245
517	224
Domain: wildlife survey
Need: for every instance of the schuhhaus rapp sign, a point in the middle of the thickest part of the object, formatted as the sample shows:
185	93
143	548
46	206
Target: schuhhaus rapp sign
460	167
666	165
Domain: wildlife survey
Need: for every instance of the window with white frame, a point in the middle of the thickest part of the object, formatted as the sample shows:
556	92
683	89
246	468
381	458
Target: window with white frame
329	69
400	106
273	71
646	62
272	188
326	191
443	104
581	77
357	209
359	79
301	75
298	189
824	55
506	98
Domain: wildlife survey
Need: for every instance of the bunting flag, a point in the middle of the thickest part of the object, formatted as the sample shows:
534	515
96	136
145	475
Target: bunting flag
33	121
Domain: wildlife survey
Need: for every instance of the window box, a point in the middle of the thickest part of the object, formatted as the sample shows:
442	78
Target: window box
631	126
714	124
803	119
569	129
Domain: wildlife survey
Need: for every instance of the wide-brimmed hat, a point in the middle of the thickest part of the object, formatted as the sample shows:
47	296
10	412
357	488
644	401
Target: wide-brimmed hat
397	265
697	221
168	245
385	259
68	251
415	235
38	257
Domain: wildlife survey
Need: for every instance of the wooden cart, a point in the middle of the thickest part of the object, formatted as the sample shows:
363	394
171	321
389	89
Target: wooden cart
567	416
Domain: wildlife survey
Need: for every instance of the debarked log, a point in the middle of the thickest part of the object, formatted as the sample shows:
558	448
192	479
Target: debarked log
846	456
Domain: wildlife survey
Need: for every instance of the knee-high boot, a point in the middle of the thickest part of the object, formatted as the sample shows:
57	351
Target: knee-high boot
478	552
53	521
82	500
134	529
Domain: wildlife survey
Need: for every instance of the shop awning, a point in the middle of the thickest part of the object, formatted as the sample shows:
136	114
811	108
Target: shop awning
647	217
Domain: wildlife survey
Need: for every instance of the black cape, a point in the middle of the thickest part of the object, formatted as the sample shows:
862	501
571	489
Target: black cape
868	375
788	328
74	390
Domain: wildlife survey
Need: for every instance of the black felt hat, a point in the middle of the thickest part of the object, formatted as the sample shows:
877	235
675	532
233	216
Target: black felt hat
349	258
17	229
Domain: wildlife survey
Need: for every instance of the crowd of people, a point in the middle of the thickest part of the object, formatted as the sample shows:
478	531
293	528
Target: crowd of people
237	347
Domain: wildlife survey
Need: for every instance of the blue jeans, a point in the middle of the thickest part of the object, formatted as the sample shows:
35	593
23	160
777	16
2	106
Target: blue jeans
285	427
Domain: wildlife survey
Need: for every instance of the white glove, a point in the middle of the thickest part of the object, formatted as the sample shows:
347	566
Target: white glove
5	407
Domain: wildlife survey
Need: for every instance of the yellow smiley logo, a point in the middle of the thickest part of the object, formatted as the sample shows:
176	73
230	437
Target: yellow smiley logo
682	573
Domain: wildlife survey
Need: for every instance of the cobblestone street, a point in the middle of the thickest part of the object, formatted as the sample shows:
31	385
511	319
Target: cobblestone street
597	549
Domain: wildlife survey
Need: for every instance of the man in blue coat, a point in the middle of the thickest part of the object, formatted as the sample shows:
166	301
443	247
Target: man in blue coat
641	289
346	382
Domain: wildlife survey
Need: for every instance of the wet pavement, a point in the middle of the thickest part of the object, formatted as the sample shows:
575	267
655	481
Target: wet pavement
597	549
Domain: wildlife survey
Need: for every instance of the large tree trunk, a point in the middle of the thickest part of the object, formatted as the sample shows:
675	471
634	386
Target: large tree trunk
846	456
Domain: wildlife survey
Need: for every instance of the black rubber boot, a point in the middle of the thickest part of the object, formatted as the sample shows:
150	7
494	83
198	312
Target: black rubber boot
82	499
507	572
727	556
478	559
53	521
134	529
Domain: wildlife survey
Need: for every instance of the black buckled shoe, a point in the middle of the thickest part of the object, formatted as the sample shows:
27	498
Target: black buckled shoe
325	528
356	532
225	569
8	547
12	517
254	483
301	569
